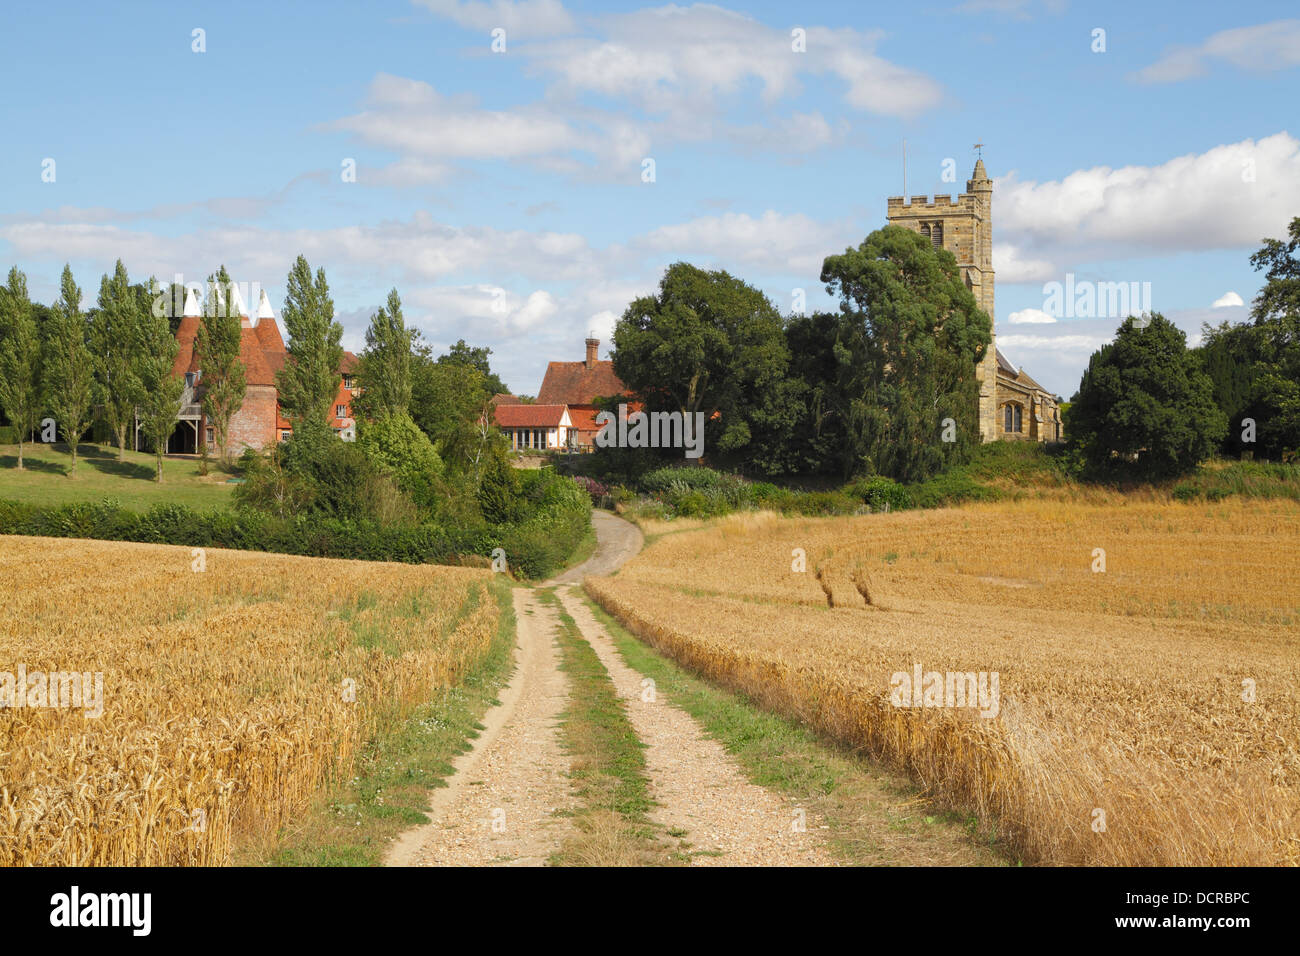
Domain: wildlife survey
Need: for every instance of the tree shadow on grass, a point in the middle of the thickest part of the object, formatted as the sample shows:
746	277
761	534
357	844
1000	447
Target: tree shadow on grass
103	460
33	464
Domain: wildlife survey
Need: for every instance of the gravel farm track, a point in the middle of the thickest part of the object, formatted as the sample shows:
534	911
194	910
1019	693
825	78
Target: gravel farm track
508	798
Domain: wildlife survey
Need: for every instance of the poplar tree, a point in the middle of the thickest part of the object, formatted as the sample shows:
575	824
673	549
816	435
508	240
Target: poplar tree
386	363
222	374
69	377
161	400
114	340
20	359
309	381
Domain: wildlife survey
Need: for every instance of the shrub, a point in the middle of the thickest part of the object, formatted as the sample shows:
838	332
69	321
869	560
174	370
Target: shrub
396	445
8	435
881	493
692	477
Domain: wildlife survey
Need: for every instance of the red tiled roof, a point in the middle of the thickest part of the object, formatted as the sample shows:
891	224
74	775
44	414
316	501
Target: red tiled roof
349	363
584	419
573	383
185	336
528	416
501	398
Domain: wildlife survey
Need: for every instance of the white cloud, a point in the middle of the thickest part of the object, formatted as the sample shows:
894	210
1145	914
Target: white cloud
1010	265
411	117
529	17
1264	47
1226	300
674	60
1029	317
1227	197
783	244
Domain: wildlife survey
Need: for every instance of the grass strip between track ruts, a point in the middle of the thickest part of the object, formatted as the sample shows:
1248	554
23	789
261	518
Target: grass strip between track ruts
612	826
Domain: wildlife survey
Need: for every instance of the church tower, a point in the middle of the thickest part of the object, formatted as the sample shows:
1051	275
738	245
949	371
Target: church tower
965	228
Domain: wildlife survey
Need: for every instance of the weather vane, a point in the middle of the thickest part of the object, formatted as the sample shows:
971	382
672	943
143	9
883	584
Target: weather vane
979	148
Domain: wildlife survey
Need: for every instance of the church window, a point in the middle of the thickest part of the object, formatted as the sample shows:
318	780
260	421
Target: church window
1012	420
936	235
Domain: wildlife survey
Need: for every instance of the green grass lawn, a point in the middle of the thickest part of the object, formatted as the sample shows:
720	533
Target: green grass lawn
44	479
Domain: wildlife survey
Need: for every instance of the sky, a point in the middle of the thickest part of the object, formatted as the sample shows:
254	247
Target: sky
520	171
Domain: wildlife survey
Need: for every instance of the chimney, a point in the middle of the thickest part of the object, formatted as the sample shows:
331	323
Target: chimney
592	346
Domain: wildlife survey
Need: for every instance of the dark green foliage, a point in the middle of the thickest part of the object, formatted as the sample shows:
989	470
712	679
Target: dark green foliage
499	493
903	353
1145	410
476	358
881	493
710	343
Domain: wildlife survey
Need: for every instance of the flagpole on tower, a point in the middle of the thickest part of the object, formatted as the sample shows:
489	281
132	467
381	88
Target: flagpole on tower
904	170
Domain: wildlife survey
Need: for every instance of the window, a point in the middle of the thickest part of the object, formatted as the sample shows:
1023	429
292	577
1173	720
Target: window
340	411
347	382
211	435
189	379
936	235
285	435
1011	418
1018	410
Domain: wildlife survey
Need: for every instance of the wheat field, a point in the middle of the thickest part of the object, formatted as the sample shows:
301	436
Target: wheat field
236	686
1149	706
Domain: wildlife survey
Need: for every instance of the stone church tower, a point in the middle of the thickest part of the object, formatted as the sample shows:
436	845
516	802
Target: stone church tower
965	228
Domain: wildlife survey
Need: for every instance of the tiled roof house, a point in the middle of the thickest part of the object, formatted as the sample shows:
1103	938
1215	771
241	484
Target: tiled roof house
578	385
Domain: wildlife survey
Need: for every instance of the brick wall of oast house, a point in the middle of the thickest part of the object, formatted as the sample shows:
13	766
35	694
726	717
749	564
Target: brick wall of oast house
253	426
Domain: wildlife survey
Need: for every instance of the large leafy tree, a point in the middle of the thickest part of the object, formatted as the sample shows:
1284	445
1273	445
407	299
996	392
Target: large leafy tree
114	339
902	357
20	358
1231	355
1144	408
69	366
221	372
475	357
1276	313
708	343
386	363
309	380
161	399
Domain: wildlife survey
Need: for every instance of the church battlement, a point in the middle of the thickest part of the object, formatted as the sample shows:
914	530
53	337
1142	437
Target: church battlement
901	205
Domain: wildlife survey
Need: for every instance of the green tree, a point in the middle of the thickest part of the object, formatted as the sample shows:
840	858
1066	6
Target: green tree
385	371
114	339
904	356
475	357
706	343
309	380
1231	355
1275	400
1144	408
161	399
69	366
396	445
447	399
221	373
20	359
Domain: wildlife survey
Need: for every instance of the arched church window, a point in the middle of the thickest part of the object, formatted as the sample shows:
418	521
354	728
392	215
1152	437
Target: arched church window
936	235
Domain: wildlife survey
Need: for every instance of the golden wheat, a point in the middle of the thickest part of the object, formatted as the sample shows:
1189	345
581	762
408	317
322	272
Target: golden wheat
231	695
1149	712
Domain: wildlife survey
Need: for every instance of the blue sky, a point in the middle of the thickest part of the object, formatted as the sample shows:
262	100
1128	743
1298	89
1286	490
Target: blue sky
502	192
